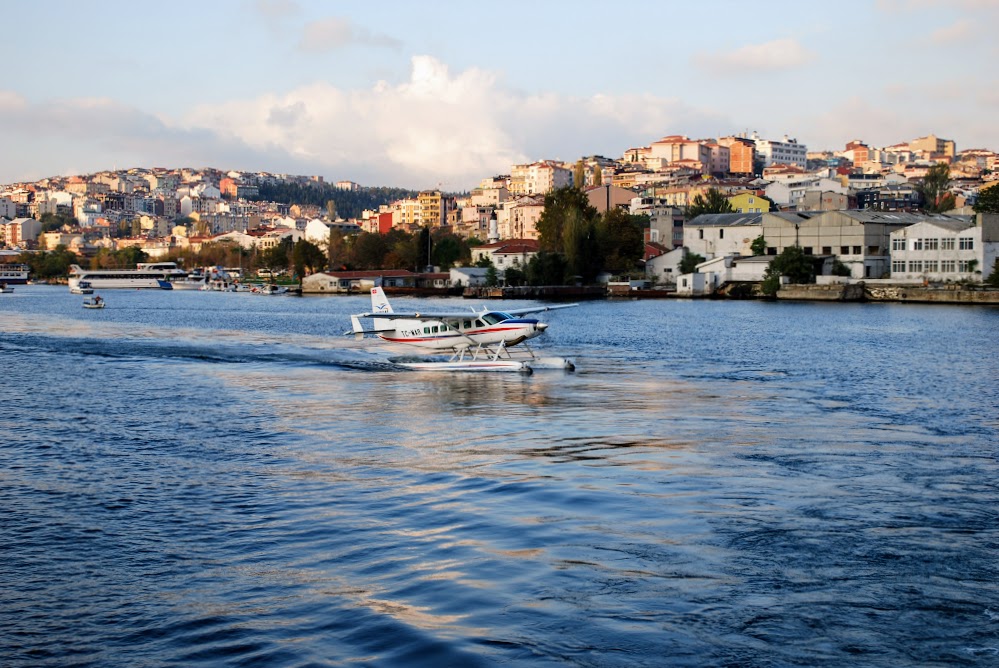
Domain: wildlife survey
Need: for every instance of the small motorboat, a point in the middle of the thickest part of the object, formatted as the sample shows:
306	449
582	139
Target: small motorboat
82	288
4	289
93	302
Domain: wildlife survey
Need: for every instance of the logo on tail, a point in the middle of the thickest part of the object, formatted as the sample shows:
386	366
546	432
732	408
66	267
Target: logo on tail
379	302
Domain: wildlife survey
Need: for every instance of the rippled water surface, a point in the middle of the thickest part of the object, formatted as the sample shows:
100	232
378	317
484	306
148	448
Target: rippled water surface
208	479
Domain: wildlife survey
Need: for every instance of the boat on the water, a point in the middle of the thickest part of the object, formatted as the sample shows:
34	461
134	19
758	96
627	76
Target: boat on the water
93	302
14	273
118	278
4	289
82	288
170	270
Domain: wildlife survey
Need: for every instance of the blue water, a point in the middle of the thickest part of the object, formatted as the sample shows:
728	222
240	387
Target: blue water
209	479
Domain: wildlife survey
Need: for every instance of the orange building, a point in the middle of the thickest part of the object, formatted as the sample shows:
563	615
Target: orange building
741	152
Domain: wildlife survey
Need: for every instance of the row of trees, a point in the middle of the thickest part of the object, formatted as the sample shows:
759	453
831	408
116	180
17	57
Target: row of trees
586	241
346	203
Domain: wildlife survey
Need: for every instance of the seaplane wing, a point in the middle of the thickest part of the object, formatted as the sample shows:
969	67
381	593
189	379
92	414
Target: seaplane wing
537	309
421	315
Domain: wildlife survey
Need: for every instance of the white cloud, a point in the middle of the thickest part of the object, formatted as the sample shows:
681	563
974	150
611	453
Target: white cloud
959	31
336	33
440	127
776	55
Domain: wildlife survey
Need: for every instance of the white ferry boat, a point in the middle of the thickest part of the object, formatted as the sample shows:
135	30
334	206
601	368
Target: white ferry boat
14	274
103	279
170	270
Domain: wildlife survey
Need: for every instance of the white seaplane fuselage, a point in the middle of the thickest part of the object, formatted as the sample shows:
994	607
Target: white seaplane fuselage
483	329
476	341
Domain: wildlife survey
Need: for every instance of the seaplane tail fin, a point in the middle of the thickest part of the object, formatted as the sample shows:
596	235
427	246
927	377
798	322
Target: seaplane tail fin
379	302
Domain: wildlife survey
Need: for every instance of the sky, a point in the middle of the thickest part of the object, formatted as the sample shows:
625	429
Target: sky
443	94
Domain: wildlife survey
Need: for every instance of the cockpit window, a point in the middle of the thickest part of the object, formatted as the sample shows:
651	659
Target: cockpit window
497	317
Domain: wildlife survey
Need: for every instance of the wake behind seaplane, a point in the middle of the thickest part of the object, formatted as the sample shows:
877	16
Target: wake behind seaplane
464	340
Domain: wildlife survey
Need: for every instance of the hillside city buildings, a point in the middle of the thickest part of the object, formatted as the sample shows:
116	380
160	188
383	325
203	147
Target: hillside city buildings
860	206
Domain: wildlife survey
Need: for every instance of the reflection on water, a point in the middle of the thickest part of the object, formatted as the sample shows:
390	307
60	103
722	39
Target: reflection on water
214	480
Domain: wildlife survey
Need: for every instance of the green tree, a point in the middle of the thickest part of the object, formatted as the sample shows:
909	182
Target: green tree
425	249
598	176
993	279
579	174
546	268
369	250
124	258
688	264
336	249
581	247
514	276
49	264
561	205
791	262
447	250
987	200
276	257
492	277
933	188
55	221
621	240
308	258
403	250
759	245
713	201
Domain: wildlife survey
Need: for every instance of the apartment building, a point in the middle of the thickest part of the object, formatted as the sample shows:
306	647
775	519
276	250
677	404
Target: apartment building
741	154
933	146
786	152
538	178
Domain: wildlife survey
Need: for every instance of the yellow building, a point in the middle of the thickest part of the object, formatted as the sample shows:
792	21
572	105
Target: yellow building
431	208
934	145
749	202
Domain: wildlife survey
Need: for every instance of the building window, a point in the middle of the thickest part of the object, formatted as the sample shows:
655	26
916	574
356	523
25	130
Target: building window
700	234
898	244
897	266
930	266
947	244
721	234
948	266
932	244
807	250
966	243
827	250
844	250
963	266
771	250
857	250
917	244
915	266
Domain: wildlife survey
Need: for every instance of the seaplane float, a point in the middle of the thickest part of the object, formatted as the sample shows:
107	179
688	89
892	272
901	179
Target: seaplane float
463	340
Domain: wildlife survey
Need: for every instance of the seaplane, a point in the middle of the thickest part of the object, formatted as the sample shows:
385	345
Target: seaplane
463	340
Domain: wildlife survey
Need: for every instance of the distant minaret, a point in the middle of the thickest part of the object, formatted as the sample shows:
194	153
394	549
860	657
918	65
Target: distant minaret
493	235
